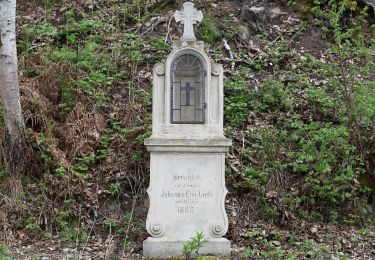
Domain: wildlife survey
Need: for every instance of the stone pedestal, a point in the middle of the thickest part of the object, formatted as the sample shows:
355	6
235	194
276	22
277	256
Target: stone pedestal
187	195
187	163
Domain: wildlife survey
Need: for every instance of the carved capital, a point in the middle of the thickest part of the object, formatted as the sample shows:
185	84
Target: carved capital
215	69
160	69
156	229
217	230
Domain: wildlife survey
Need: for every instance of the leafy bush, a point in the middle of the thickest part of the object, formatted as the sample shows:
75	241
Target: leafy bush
194	245
5	253
312	122
237	100
208	30
319	156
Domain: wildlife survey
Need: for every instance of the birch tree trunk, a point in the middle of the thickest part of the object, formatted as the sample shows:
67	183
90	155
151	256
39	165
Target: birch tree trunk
13	143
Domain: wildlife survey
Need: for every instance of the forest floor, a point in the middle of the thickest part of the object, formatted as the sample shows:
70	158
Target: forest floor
320	241
86	79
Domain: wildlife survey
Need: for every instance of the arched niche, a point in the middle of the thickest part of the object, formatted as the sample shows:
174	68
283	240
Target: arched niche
188	77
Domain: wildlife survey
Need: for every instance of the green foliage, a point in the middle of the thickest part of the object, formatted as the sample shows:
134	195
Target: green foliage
35	257
127	241
114	188
134	11
137	157
47	235
39	31
128	216
275	96
116	127
254	178
104	150
63	219
257	236
83	166
32	226
95	70
300	123
319	155
43	149
100	75
60	171
111	223
96	66
5	253
319	112
31	34
208	30
263	244
237	101
267	210
134	47
364	231
141	138
30	72
194	245
228	29
277	253
76	235
66	97
74	31
3	173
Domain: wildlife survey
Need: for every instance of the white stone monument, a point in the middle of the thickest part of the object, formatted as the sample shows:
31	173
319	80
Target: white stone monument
187	180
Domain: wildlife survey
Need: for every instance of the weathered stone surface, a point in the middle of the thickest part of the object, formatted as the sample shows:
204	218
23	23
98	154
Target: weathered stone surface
187	162
188	16
369	3
244	33
187	193
275	13
166	248
214	145
161	114
254	16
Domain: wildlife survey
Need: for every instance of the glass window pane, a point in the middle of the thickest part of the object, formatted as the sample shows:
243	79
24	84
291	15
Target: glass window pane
187	89
187	114
176	96
176	115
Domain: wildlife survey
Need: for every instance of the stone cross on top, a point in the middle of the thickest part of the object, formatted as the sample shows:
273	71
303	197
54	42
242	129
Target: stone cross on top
188	16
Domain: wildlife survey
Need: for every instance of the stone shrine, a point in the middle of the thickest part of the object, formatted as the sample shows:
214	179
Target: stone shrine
187	149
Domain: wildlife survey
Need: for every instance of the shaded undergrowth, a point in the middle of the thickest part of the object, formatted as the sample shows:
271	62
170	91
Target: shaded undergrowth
302	122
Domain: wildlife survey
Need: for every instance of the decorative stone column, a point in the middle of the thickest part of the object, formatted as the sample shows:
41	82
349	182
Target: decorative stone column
187	163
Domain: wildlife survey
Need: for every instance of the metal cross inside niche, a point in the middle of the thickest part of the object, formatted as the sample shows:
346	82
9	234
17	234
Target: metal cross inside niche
188	90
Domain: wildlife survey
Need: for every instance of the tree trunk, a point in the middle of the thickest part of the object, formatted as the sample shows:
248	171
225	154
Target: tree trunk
13	143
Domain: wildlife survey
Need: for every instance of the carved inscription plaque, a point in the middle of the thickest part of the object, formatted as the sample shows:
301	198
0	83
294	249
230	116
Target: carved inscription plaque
187	194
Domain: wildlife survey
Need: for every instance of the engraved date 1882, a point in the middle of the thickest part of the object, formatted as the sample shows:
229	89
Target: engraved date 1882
185	209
